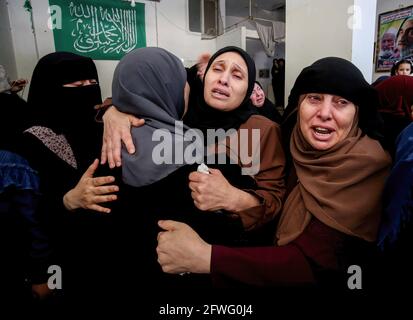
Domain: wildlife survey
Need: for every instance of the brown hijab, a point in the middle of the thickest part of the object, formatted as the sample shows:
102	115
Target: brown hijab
341	186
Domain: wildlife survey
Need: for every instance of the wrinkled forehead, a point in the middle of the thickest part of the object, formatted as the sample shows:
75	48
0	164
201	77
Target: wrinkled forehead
232	58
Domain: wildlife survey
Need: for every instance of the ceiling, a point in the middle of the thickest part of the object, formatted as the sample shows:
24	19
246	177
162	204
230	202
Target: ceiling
267	9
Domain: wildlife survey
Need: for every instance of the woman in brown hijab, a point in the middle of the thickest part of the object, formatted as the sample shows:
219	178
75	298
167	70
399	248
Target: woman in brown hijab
333	207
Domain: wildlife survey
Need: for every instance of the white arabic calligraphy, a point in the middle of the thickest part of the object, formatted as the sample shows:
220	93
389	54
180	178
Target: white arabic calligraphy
109	30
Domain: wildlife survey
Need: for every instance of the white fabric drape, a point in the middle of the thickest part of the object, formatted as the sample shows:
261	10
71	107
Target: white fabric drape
267	38
279	30
269	35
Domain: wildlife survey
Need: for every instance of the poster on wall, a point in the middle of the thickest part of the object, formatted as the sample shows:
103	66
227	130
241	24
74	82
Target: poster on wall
99	29
394	38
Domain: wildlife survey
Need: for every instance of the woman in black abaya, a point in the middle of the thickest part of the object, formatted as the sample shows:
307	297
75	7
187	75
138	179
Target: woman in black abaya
61	143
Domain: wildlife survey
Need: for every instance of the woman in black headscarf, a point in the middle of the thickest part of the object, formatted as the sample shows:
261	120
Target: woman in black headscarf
264	106
222	101
321	74
60	143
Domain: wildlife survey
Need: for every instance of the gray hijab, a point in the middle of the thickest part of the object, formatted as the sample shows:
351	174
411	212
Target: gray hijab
149	83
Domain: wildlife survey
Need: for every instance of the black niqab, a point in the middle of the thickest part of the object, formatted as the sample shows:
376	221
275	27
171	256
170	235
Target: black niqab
67	110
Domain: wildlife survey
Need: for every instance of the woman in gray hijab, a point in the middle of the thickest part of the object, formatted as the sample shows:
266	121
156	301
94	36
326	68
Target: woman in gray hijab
151	83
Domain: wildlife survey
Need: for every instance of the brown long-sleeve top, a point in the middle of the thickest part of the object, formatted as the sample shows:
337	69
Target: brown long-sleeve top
267	168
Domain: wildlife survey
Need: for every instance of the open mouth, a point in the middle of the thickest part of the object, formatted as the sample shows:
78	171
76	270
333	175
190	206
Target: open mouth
220	93
322	131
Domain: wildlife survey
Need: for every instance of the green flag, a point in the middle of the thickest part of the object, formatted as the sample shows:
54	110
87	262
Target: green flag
99	29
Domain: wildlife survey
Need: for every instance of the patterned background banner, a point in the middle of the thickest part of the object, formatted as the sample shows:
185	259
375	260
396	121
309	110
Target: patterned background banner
99	29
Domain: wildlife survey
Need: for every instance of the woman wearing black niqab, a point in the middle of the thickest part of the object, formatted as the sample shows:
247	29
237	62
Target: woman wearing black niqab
67	110
60	143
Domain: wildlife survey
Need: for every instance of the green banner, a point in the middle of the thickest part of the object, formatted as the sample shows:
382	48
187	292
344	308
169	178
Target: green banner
99	29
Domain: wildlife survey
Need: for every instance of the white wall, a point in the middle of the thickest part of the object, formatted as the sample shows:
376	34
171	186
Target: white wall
166	25
363	36
262	61
385	6
322	28
172	34
242	21
23	40
235	37
6	52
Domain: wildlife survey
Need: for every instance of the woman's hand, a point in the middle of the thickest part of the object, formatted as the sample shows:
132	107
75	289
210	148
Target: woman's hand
212	192
117	128
180	249
18	85
90	191
202	64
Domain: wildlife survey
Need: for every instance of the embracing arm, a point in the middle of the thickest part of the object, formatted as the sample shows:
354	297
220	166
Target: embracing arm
212	192
304	261
180	249
117	129
312	258
257	206
90	191
260	266
270	189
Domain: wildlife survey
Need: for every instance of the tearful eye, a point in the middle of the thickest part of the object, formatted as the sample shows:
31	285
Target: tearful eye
343	102
314	98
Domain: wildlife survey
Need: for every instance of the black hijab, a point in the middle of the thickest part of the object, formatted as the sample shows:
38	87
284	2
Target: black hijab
202	116
340	77
268	109
67	110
